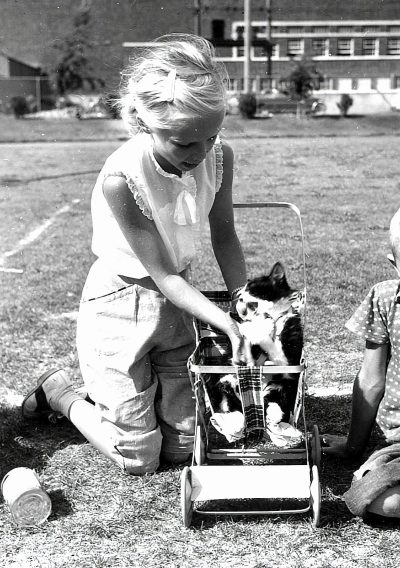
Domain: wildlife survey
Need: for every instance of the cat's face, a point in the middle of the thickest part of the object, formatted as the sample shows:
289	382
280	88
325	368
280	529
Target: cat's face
268	295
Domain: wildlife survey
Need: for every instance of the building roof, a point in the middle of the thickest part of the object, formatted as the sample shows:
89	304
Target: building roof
34	65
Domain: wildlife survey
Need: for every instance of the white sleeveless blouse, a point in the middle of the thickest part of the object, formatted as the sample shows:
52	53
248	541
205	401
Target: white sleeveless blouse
179	206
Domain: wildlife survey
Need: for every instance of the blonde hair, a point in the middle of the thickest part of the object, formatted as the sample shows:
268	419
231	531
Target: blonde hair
178	74
394	232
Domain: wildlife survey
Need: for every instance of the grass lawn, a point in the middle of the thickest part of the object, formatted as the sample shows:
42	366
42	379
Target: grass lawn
344	176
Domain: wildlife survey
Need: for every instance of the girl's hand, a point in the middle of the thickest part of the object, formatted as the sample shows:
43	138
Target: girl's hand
241	349
337	446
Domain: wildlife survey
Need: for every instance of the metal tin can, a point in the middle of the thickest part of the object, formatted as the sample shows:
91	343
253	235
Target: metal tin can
29	504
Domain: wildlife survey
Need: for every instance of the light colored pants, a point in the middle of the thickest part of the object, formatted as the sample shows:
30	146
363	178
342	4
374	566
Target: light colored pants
133	346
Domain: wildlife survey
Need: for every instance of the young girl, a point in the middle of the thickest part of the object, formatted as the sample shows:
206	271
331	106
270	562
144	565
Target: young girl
151	199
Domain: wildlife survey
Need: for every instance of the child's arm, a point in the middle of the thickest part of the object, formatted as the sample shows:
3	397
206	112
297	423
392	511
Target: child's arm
148	246
368	390
226	245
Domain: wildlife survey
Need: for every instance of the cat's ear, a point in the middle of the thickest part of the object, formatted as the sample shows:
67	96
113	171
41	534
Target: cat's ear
278	272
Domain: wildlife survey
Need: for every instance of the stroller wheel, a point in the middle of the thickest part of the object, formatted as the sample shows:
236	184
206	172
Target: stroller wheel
316	447
186	497
315	491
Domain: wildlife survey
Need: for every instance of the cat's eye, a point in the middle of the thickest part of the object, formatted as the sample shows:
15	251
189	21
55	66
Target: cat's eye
252	305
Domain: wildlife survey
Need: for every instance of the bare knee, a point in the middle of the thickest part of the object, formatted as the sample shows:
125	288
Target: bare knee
387	504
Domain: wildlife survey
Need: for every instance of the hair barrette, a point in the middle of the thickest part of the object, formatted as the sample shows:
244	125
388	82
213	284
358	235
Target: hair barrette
169	87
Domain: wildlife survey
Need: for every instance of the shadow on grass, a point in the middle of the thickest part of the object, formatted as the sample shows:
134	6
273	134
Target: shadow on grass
60	505
30	444
337	116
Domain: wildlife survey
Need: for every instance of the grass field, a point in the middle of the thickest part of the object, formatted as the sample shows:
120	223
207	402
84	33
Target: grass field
344	176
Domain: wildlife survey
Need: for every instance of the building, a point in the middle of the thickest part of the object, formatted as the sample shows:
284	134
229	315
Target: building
21	78
354	45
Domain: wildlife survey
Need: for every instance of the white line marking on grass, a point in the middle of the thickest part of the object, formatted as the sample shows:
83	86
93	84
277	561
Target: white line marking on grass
15	270
67	315
33	235
331	390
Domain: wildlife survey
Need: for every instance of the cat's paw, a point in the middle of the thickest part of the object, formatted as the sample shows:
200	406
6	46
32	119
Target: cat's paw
230	424
274	413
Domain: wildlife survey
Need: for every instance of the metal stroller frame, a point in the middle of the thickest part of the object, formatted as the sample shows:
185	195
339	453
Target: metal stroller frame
279	474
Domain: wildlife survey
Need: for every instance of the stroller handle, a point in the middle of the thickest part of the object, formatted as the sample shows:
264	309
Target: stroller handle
296	211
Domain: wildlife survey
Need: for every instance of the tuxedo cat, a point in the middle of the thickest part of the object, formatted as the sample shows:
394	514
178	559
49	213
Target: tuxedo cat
269	316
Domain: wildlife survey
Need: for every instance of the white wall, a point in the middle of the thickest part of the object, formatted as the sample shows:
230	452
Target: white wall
363	103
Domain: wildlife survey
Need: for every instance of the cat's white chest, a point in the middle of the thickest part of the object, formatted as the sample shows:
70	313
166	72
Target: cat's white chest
265	332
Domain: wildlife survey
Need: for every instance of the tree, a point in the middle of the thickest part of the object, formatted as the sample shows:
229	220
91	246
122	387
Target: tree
344	104
301	81
248	105
73	71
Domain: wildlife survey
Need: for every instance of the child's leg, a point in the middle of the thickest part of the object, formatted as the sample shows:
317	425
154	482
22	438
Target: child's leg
175	406
125	339
124	409
387	504
115	333
54	392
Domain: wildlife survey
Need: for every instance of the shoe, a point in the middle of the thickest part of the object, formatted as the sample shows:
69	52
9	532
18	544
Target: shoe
35	405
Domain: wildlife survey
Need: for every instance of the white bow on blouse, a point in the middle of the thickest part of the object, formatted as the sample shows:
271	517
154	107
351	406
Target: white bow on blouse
185	209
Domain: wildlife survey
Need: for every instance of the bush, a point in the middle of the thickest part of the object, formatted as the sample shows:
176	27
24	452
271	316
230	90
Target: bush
19	106
345	103
248	105
110	101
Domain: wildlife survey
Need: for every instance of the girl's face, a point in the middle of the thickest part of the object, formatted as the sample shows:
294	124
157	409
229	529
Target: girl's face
182	147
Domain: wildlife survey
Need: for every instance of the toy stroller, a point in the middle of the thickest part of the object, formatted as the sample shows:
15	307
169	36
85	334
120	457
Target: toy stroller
245	474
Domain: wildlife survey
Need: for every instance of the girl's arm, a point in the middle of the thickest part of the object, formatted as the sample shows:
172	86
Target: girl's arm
145	241
368	389
226	245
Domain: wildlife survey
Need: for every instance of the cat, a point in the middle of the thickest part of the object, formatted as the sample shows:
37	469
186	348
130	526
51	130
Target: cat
269	316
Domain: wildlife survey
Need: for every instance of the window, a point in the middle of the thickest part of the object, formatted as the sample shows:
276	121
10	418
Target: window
396	82
344	47
393	46
369	46
239	34
331	83
345	29
218	29
370	29
236	84
320	29
294	47
259	31
295	30
267	84
320	47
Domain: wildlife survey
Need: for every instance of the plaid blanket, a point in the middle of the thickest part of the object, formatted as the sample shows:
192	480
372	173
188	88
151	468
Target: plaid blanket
253	401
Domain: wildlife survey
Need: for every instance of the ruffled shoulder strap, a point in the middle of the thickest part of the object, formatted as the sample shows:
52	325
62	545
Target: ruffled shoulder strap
138	195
